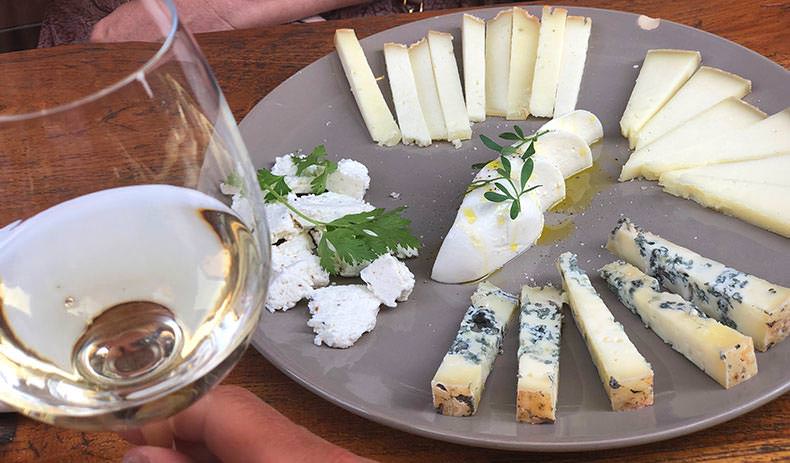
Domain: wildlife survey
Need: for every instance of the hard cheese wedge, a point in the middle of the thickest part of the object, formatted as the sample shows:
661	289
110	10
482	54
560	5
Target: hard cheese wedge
626	375
567	151
663	72
413	127
540	325
720	351
548	62
377	116
749	304
574	55
448	84
523	52
473	41
729	115
499	31
763	138
458	383
580	122
704	89
421	65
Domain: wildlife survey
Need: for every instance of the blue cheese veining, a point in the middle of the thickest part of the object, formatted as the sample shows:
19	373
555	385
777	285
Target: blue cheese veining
459	381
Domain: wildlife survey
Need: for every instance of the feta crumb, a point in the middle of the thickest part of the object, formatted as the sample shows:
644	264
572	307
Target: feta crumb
296	272
299	184
327	207
351	178
456	143
228	189
281	223
389	279
289	252
342	314
243	208
395	195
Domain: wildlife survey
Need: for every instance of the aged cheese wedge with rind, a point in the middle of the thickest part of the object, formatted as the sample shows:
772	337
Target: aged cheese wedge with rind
548	62
663	72
567	151
624	372
762	139
722	118
448	84
458	384
751	305
580	122
413	127
499	32
523	52
704	89
375	112
540	325
574	55
473	42
421	64
723	353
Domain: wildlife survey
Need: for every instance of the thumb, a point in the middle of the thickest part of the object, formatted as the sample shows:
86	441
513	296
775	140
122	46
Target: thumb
154	455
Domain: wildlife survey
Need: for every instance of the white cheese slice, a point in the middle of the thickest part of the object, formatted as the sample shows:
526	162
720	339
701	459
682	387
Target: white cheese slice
499	32
413	127
448	84
663	72
624	372
473	41
749	304
726	116
548	62
523	53
580	122
421	64
574	55
552	183
756	191
704	89
458	383
341	314
763	138
723	353
375	112
567	151
540	325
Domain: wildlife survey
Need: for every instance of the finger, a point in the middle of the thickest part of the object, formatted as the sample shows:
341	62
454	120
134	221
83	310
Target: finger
155	455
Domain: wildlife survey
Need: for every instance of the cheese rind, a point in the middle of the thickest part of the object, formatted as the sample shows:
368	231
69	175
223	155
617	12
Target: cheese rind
574	55
548	62
448	84
523	53
580	122
704	89
663	72
624	372
422	66
473	41
375	112
540	324
751	305
499	32
723	353
458	383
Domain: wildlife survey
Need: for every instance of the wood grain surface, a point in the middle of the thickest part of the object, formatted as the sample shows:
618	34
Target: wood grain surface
248	64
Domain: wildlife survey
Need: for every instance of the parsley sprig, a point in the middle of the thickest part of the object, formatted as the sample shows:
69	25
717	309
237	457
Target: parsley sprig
322	168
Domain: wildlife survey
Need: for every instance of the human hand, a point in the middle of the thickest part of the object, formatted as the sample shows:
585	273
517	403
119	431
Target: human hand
231	425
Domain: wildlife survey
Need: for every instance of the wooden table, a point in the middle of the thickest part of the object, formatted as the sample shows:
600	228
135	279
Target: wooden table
249	64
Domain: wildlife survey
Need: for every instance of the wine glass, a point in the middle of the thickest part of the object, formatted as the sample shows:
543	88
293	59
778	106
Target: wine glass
133	255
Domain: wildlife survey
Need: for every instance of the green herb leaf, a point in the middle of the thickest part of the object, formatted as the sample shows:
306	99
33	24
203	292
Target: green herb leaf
503	189
526	172
509	136
480	165
490	144
515	209
233	180
318	185
509	151
505	165
494	197
315	158
529	151
518	131
272	183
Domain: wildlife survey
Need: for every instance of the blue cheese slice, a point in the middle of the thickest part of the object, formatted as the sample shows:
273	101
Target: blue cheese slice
540	325
473	41
626	375
523	53
460	379
749	304
448	84
548	62
720	351
574	55
413	127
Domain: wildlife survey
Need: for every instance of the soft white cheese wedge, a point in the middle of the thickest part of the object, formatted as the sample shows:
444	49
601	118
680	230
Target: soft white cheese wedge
548	62
755	191
540	325
523	53
574	55
458	384
725	117
422	66
375	112
663	72
704	89
413	127
499	32
580	122
723	353
764	138
749	304
567	151
626	375
448	84
473	41
552	183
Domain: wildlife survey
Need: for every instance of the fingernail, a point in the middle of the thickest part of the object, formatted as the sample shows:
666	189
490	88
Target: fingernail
135	457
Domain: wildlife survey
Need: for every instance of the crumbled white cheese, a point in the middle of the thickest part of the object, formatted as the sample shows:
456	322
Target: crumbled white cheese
296	272
281	223
328	206
351	178
228	189
300	247
342	314
299	184
406	253
389	279
243	208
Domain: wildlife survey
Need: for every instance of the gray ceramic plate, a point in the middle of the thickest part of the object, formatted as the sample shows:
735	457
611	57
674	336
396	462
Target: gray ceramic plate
385	377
